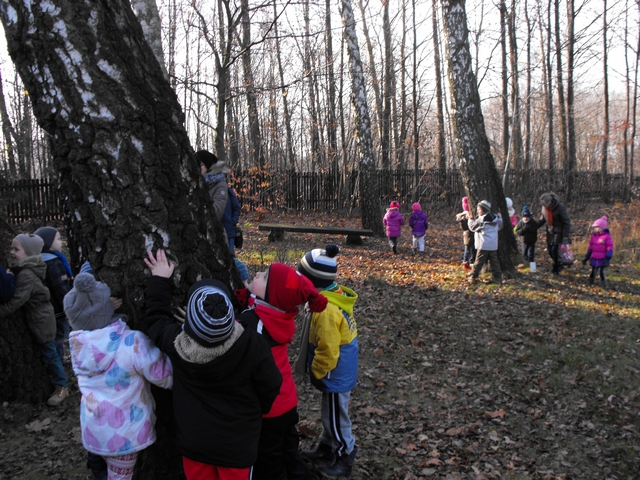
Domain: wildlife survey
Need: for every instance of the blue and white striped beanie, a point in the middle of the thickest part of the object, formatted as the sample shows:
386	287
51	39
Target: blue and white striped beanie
320	266
210	318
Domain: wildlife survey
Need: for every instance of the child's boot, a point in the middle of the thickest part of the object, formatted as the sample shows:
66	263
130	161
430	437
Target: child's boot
58	396
395	250
532	267
466	266
341	467
322	452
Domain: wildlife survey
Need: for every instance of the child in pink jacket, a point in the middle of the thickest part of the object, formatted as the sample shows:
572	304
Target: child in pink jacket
393	221
600	250
115	367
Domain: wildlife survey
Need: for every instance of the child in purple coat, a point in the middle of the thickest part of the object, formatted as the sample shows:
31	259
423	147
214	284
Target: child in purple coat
419	224
600	250
393	221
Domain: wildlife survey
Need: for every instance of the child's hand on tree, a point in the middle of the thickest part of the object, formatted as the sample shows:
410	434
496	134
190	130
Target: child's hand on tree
159	266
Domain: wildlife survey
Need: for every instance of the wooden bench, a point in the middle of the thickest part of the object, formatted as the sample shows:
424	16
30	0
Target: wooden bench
277	232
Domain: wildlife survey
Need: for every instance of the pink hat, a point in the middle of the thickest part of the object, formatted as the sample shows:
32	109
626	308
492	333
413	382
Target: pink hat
465	204
415	207
601	222
394	204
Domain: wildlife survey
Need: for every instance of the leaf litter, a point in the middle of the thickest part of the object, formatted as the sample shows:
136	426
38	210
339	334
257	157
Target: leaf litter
534	378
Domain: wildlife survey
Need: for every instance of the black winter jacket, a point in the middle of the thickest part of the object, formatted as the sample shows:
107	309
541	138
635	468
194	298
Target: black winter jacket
217	404
559	224
529	230
57	281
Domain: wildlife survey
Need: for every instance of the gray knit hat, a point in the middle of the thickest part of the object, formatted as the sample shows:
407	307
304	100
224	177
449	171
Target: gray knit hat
210	318
31	244
88	304
485	205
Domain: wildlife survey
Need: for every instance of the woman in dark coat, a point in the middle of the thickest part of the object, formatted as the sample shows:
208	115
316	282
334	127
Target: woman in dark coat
558	227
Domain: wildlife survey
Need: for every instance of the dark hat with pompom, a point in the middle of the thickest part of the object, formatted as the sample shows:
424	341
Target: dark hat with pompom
88	304
210	318
320	266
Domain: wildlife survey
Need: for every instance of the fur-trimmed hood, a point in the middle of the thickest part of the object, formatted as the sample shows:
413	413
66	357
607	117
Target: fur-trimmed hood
191	351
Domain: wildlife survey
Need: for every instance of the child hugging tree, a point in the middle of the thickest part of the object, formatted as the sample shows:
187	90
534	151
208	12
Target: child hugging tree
30	293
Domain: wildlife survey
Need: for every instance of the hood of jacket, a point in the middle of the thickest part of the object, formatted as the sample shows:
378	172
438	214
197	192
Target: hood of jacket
95	350
281	325
345	300
33	263
393	213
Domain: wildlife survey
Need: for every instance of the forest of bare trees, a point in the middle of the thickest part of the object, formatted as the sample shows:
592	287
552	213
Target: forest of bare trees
267	85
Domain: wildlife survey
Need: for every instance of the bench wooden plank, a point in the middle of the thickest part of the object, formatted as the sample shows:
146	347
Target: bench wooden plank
277	231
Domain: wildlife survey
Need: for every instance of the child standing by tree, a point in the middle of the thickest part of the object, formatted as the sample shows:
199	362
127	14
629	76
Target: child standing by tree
273	307
469	254
7	285
393	221
485	229
58	281
600	250
114	366
225	377
419	224
30	292
527	228
332	360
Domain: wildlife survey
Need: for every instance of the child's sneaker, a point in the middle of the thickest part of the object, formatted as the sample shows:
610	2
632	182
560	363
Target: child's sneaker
466	265
58	396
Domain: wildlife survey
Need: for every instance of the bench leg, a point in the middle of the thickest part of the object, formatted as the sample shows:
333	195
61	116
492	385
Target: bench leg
276	235
354	240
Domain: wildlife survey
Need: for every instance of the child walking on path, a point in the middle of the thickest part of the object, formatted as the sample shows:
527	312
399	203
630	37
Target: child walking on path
332	361
393	221
58	281
469	254
527	228
114	366
30	292
273	307
485	229
224	379
419	224
600	250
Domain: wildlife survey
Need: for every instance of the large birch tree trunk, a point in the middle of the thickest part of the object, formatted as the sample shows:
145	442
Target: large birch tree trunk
122	155
369	199
477	165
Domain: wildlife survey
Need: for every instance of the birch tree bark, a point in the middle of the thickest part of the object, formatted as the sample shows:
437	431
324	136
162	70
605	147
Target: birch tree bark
124	161
369	199
477	165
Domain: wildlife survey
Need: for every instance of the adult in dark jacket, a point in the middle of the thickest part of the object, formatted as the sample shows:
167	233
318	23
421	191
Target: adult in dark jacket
225	377
558	227
230	218
214	172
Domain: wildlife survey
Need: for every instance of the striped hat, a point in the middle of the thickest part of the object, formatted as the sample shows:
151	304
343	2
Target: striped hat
242	270
320	266
210	317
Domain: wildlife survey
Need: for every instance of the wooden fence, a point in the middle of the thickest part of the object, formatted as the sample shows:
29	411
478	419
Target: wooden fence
24	200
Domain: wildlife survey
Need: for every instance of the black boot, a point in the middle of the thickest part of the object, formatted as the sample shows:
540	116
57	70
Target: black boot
341	467
321	452
395	250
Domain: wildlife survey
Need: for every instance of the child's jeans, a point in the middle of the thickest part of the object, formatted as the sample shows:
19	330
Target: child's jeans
393	241
469	254
481	258
53	364
529	252
418	242
336	423
97	465
62	333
